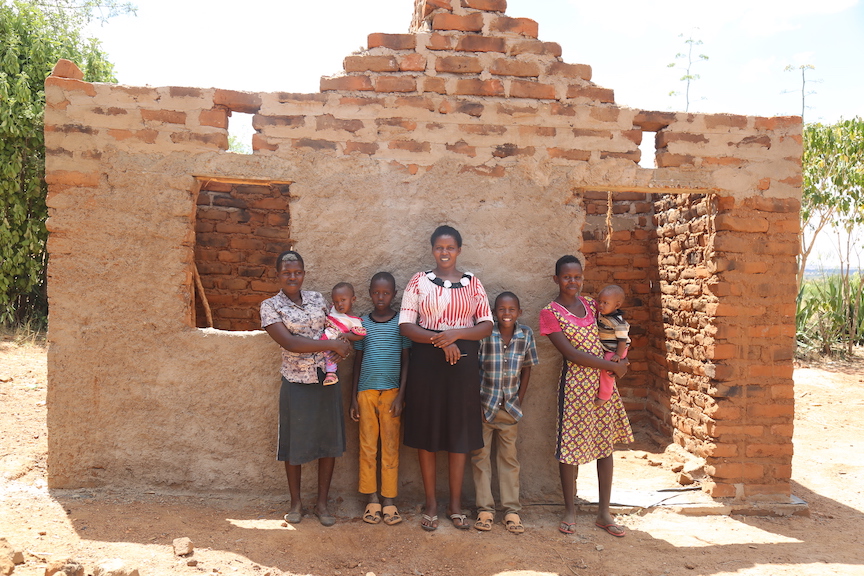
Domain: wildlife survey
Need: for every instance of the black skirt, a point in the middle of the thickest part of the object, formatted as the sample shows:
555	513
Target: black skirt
311	422
442	402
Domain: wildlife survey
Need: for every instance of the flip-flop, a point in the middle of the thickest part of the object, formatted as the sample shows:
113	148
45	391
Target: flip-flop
513	523
463	521
610	527
431	523
484	521
391	515
567	527
372	514
326	518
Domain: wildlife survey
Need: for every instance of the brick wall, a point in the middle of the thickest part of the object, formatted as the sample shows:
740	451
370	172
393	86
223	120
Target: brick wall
240	228
628	259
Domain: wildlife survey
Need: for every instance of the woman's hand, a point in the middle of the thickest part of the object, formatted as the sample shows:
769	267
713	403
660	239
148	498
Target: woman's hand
445	338
341	347
452	353
620	368
355	410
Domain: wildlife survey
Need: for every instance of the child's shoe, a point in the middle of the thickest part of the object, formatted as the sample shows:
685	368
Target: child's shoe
330	379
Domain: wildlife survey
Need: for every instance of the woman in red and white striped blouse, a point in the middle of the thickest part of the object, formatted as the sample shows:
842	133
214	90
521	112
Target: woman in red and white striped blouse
446	313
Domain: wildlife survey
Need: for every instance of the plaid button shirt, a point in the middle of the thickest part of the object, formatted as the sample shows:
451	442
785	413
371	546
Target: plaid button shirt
500	366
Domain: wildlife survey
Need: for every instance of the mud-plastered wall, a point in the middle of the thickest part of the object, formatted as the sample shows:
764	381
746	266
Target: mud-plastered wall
469	120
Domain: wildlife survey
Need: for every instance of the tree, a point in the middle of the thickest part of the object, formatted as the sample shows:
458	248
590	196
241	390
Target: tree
804	92
689	76
833	194
33	36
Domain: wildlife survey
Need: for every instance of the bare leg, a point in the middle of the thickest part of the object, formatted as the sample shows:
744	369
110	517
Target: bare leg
293	474
604	485
568	472
427	472
325	474
456	465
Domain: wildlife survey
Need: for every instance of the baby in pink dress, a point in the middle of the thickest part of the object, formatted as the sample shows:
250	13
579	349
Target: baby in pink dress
340	322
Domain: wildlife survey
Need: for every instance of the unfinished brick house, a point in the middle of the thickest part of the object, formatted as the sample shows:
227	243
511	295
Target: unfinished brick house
469	119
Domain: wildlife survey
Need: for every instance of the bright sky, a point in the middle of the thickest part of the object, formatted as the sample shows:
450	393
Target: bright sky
287	45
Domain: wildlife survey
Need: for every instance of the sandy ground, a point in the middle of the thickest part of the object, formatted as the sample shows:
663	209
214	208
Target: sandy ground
242	535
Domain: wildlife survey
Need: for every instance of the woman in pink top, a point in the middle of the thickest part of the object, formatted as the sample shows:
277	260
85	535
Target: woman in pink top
585	432
445	312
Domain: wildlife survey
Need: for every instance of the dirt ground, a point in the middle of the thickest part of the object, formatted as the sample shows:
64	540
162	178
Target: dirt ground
243	535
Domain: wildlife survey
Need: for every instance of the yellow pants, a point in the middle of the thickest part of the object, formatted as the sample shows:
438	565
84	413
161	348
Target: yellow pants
377	420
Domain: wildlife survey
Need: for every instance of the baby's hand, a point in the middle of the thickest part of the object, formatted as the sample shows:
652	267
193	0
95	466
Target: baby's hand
359	330
614	358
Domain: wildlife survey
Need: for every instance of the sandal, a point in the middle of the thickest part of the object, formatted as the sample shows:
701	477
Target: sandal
460	521
330	379
513	523
391	515
484	521
372	514
567	527
614	529
429	523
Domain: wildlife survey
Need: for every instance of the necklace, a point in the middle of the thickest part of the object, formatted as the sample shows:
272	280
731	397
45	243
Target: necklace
464	281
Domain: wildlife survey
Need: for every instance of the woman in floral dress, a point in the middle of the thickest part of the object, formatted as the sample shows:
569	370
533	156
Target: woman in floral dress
585	432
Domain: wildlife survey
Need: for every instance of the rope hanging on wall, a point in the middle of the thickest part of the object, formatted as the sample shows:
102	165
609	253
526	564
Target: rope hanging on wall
608	220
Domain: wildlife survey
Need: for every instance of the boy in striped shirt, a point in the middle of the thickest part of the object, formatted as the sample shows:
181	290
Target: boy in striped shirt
506	357
380	371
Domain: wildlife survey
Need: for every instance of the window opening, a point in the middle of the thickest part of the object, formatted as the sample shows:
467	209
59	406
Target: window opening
648	147
240	132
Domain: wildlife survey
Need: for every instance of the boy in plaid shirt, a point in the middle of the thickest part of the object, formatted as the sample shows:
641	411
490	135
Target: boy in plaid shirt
506	357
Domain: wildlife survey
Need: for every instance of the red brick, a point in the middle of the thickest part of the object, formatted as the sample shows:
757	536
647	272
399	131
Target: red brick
718	490
216	117
664	137
667	160
392	41
433	84
330	122
543	131
768	450
523	26
168	116
261	143
777	122
536	47
245	102
357	83
651	121
459	64
493	171
762	204
395	84
67	69
773	410
634	156
527	89
474	87
362	100
740	223
594	93
721	450
215	140
509	67
461	147
406	125
771	371
487	5
415	102
468	23
483	129
370	63
507	150
743	470
409	146
279	219
71	84
263	286
792	180
722	161
72	178
232	228
726	120
578	71
259	121
578	155
148	136
361	147
480	44
412	63
314	144
440	42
